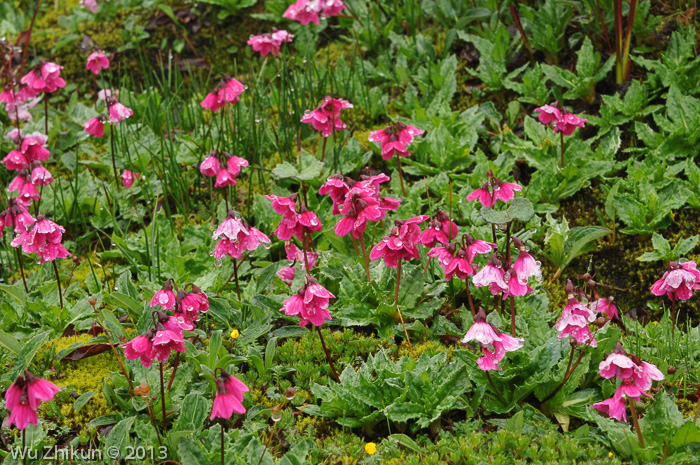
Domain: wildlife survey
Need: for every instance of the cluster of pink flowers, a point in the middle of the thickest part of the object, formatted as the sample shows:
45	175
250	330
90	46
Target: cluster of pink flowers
679	281
293	223
636	377
494	343
494	189
326	117
90	5
211	167
236	237
24	397
575	319
358	202
395	139
228	91
167	336
229	396
401	242
26	160
128	178
560	118
116	112
18	102
270	42
45	77
16	216
295	254
310	304
42	237
459	261
312	11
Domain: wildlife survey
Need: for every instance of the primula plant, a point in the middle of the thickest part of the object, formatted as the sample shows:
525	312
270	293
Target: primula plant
335	231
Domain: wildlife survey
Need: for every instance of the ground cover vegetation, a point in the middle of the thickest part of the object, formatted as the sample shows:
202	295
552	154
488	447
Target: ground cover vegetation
349	232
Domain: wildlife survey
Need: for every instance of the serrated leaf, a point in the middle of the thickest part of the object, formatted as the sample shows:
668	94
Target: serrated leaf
285	170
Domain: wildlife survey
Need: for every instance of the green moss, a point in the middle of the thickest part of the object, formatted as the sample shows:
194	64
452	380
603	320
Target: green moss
80	377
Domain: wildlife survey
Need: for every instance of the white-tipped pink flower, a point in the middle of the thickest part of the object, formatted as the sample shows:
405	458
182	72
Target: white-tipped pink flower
494	343
96	62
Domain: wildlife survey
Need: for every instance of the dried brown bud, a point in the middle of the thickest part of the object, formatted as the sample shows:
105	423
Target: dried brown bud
142	390
92	302
671	370
600	322
276	414
289	393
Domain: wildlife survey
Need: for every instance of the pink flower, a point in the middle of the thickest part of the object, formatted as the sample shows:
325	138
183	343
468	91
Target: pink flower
210	166
679	282
286	274
237	236
229	396
177	323
140	347
549	114
491	275
395	139
568	124
41	176
15	161
224	178
293	223
117	111
617	365
606	307
336	186
90	5
164	297
96	62
104	94
326	118
128	178
494	189
269	43
644	374
441	229
194	303
96	126
525	266
43	237
331	7
166	341
24	397
575	320
613	407
45	77
304	11
494	343
516	286
228	91
234	165
34	146
360	205
295	254
310	304
400	243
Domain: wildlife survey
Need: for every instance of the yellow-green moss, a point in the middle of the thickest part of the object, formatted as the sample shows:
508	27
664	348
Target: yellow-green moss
80	377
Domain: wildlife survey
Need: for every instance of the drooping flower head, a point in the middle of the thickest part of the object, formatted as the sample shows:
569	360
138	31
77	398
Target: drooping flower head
293	223
165	341
494	189
575	320
525	265
395	139
45	77
453	260
270	42
193	303
25	395
494	343
560	118
492	275
229	396
90	5
236	237
44	238
96	126
400	243
606	307
165	297
440	229
228	91
140	347
326	117
117	111
96	62
679	281
17	216
310	303
128	178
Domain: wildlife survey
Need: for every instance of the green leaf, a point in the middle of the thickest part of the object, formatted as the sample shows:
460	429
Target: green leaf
214	345
29	350
195	410
407	442
516	422
687	434
609	201
119	436
685	246
521	209
285	170
661	421
311	167
124	301
82	400
191	453
14	291
9	342
660	244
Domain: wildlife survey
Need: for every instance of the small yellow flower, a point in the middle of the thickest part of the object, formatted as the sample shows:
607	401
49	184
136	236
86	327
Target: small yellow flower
371	448
610	454
235	334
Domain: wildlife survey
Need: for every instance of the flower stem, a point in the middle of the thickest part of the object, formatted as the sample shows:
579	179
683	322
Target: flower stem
306	258
323	150
512	314
398	164
469	296
398	309
567	375
116	355
24	446
172	377
58	281
495	389
21	270
673	319
635	420
328	356
162	398
235	276
114	162
562	150
364	254
46	113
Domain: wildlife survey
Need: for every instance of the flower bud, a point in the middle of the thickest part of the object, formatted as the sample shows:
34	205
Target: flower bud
276	414
671	370
600	322
289	393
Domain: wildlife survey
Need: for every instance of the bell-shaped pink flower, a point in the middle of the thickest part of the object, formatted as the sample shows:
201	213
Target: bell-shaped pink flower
549	114
41	176
335	186
679	282
304	11
644	374
441	229
45	77
617	365
575	320
568	124
286	274
234	165
491	275
326	118
91	5
165	297
140	347
331	8
96	126
229	396
310	304
228	91
210	166
193	303
607	307
494	343
613	407
96	62
24	397
117	111
164	342
269	43
400	243
128	178
525	266
395	139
